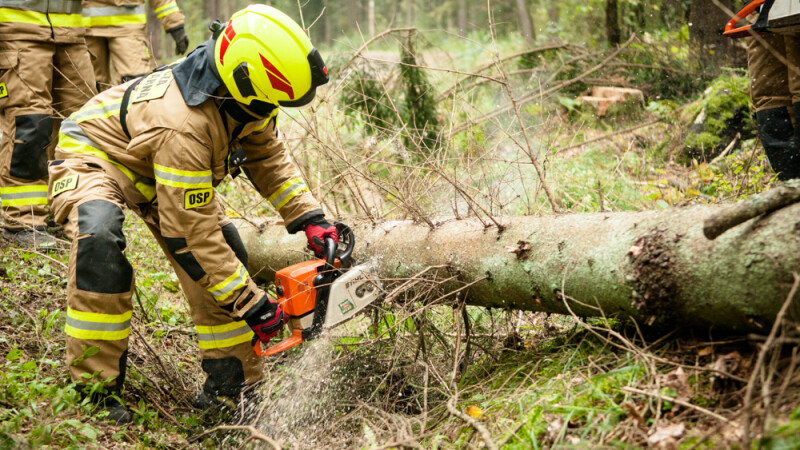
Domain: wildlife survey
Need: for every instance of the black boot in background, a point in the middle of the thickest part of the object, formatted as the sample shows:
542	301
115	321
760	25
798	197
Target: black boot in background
107	402
777	133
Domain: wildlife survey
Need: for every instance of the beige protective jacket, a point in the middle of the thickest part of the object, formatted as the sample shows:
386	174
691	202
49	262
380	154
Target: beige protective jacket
187	151
41	20
114	18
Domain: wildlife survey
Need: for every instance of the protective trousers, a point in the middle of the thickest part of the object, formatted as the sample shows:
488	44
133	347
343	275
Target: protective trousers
774	67
130	56
87	195
40	82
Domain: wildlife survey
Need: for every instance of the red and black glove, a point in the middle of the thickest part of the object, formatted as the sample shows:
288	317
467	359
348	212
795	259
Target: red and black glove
266	319
320	228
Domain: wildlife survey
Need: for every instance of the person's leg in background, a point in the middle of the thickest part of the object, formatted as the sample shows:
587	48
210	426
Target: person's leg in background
772	101
130	56
26	118
98	49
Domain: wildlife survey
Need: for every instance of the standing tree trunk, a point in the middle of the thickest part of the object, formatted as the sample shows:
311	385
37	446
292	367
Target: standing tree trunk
154	32
526	24
707	20
462	18
371	17
552	13
212	10
410	13
612	23
652	266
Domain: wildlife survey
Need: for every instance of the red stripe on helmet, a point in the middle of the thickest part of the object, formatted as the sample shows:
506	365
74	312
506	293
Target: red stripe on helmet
226	40
277	79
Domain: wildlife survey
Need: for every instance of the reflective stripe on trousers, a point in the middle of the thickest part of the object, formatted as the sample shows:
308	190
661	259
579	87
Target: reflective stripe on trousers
97	326
21	196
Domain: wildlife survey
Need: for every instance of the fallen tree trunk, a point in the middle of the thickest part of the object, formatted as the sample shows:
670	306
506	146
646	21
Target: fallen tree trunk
655	266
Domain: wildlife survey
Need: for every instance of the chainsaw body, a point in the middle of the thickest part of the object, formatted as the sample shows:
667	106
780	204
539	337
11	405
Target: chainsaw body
321	294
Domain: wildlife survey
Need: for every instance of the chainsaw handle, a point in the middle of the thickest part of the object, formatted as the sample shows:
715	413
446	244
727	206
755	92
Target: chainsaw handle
730	27
330	253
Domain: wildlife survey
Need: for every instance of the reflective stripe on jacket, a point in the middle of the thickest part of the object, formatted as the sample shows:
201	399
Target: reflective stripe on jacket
41	20
127	17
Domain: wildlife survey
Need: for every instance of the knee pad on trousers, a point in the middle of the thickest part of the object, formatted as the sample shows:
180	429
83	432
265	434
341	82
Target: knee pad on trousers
777	134
235	242
101	266
186	260
33	136
225	376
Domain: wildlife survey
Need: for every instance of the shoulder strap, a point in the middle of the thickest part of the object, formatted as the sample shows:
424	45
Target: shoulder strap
123	108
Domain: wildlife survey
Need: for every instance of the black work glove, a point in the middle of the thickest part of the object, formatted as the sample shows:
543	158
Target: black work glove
266	319
181	41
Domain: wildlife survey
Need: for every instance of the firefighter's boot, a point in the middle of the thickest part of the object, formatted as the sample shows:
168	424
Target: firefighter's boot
35	238
778	136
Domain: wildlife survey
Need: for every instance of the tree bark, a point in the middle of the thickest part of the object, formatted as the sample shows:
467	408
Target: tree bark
212	10
154	32
371	18
655	267
525	22
613	33
462	18
552	14
410	13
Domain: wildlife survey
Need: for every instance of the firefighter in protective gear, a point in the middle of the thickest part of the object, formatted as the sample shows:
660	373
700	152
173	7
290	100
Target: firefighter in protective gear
45	74
159	145
116	34
773	60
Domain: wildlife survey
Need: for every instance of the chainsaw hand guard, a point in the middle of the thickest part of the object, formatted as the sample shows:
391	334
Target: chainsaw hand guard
730	28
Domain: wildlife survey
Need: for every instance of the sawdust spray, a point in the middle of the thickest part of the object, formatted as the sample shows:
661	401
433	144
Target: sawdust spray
300	395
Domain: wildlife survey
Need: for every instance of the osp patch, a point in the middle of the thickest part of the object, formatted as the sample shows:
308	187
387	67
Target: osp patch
198	197
65	184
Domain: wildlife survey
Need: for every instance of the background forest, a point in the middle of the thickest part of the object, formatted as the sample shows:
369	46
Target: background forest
445	109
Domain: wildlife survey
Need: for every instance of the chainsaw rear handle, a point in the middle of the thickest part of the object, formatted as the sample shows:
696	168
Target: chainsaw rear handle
332	251
730	27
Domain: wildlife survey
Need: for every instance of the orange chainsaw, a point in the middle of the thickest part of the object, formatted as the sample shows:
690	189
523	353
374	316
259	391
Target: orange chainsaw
778	16
321	294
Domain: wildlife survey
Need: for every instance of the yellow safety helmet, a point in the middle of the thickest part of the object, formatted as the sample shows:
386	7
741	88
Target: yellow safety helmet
264	55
